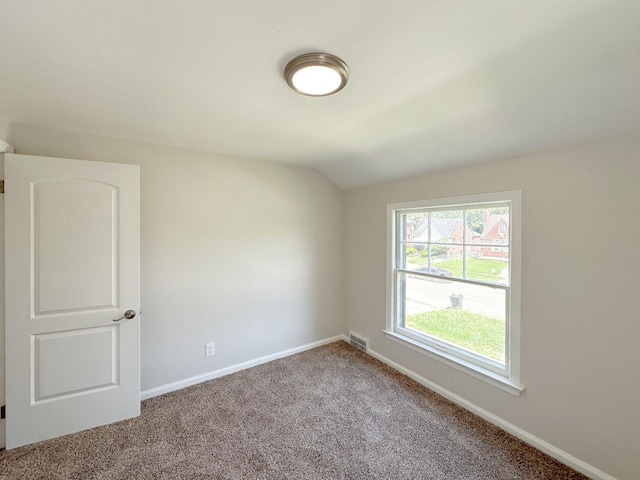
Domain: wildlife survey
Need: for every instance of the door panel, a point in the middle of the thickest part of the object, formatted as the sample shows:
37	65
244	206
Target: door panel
90	353
72	267
84	218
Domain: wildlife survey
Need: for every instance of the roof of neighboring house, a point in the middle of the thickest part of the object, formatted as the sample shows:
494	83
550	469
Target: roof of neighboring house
492	222
441	228
444	228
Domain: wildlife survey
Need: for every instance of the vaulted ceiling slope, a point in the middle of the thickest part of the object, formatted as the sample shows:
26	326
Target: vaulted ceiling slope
434	83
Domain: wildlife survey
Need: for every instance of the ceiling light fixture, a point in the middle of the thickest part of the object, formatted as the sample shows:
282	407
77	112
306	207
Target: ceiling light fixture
316	74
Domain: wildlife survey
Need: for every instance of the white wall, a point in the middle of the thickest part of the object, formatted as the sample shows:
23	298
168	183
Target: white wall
580	295
241	253
250	255
5	124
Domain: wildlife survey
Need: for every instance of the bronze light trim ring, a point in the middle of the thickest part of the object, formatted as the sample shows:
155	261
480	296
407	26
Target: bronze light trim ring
316	60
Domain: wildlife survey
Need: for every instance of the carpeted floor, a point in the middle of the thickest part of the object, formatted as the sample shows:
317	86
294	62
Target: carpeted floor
328	413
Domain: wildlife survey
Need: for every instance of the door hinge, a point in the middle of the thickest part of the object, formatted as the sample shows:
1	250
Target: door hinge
1	186
3	412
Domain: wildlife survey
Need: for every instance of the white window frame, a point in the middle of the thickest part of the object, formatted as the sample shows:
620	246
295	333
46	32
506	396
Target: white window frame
506	378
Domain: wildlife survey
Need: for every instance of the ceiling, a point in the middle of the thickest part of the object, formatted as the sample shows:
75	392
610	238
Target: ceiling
434	83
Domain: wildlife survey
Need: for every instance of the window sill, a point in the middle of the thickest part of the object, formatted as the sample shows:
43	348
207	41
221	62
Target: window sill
475	371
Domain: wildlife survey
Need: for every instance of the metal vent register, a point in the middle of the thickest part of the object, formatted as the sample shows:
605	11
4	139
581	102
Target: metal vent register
357	341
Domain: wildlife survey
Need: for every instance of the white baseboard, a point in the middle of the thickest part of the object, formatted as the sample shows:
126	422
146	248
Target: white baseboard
187	382
514	430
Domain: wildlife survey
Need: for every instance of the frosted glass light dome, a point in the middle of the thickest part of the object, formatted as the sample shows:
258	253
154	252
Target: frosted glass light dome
316	74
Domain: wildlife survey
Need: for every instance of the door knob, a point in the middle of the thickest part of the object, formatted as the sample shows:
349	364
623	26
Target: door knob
129	314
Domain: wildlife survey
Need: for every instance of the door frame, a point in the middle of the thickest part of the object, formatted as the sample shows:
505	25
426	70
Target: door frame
4	148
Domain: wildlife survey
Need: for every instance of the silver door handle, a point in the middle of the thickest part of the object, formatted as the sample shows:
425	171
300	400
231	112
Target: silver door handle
129	314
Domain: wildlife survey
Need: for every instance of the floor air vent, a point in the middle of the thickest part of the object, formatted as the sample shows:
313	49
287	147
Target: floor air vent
357	341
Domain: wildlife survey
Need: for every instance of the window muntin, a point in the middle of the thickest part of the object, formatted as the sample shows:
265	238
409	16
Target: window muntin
452	279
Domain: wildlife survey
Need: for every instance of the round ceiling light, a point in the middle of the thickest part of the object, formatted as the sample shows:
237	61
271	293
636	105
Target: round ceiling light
316	74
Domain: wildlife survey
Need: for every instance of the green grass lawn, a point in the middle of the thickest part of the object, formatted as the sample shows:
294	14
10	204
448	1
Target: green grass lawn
480	334
477	268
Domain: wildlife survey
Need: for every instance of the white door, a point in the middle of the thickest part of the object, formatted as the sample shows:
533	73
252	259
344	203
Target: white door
72	267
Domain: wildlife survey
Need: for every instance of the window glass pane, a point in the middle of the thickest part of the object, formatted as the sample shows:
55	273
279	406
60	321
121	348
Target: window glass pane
476	220
471	317
447	226
416	227
488	264
426	258
447	258
416	256
488	225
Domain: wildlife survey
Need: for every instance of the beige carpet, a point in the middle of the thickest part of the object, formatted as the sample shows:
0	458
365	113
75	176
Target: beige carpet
329	413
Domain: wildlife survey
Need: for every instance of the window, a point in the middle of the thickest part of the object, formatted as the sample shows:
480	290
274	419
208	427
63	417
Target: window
454	283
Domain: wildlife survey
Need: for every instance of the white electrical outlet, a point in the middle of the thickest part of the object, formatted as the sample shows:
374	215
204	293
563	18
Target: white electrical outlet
209	349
